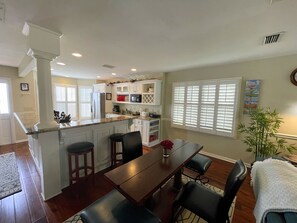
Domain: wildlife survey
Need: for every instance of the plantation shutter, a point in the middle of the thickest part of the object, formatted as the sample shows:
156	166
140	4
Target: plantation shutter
192	106
208	96
178	104
226	107
206	106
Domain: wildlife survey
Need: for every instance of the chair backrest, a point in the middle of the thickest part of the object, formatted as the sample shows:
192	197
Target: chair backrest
132	146
233	183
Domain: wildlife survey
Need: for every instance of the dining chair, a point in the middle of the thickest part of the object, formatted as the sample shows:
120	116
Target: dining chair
115	208
199	164
207	204
132	146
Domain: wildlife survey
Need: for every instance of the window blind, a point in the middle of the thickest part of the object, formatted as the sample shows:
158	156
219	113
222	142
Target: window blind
206	106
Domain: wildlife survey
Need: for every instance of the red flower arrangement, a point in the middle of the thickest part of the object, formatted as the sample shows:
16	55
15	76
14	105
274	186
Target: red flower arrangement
167	144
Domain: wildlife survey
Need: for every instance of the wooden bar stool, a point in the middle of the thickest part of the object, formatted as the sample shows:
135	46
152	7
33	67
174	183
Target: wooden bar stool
77	149
114	138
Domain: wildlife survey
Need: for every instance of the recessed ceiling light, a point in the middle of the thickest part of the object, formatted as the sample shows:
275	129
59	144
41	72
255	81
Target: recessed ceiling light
52	68
60	63
66	76
133	69
98	76
76	54
113	74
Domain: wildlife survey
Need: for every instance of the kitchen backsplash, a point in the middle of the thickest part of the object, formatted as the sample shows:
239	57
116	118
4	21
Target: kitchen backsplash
140	108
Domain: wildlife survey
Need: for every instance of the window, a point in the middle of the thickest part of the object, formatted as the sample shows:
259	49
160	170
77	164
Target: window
206	106
65	100
84	93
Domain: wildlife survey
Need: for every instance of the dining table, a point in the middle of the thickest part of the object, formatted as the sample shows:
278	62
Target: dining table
138	179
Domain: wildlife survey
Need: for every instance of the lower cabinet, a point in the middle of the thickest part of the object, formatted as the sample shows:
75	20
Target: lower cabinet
150	130
97	134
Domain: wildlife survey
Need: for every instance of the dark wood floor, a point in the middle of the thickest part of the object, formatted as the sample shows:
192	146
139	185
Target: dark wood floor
28	206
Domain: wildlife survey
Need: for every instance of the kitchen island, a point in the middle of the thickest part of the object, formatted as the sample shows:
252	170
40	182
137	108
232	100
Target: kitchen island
48	147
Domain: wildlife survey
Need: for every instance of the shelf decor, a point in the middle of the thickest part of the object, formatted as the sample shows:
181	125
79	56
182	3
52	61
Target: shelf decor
167	145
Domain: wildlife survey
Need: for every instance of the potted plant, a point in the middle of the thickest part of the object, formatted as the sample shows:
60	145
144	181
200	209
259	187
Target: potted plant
260	136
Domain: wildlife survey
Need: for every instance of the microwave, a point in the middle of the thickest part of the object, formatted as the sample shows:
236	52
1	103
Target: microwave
135	98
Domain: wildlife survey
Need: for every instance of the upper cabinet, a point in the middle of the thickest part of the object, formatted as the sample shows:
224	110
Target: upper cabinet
151	94
122	88
136	88
150	91
102	87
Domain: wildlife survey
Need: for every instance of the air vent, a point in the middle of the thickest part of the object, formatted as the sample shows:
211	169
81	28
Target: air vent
273	1
272	38
2	12
108	66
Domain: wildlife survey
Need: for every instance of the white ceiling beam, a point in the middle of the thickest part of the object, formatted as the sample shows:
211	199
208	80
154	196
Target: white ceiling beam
26	66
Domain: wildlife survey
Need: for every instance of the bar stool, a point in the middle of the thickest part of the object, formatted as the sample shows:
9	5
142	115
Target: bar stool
114	138
77	149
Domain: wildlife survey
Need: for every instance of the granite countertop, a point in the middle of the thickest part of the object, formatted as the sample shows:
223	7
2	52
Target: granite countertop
30	130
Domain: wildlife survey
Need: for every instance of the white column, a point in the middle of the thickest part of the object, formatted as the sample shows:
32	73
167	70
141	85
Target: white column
45	99
44	46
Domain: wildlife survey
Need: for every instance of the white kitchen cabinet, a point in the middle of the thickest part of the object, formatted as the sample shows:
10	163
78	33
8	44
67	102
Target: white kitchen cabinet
121	92
150	132
136	88
137	125
102	87
151	92
122	88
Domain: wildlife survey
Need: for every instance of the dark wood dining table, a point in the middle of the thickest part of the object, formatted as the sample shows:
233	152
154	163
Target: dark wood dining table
138	179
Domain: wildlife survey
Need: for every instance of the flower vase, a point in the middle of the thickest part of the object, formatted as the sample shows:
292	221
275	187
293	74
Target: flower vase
165	152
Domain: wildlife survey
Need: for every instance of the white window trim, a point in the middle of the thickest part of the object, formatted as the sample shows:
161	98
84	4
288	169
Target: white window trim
236	80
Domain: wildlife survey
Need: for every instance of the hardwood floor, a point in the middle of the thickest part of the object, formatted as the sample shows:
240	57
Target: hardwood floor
28	206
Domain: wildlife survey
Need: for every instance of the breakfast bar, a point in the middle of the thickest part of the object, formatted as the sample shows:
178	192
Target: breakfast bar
48	148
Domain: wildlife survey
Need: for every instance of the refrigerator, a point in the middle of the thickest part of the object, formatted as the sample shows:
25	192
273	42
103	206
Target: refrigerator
98	105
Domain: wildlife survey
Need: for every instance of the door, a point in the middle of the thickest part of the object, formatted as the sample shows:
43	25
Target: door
6	136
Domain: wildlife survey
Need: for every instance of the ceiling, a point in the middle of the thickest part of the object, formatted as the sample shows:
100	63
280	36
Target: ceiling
150	35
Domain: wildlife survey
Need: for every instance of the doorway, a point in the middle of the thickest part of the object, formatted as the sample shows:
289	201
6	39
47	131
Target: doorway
6	131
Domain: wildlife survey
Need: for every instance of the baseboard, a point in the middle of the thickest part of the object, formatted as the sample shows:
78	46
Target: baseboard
21	140
222	158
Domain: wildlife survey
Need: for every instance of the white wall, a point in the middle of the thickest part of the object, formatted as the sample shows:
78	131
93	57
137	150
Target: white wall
276	92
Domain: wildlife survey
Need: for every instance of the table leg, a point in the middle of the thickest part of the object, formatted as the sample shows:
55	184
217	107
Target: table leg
177	181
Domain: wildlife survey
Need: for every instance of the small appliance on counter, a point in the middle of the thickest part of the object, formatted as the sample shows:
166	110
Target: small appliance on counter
116	109
154	115
144	114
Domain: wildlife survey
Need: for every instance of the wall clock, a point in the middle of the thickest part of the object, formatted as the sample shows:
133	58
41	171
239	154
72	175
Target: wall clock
293	77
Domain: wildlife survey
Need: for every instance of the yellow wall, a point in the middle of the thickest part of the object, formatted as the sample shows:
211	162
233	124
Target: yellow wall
23	101
276	92
72	81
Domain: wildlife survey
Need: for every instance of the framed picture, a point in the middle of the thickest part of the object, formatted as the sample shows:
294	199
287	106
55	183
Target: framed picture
24	87
108	96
